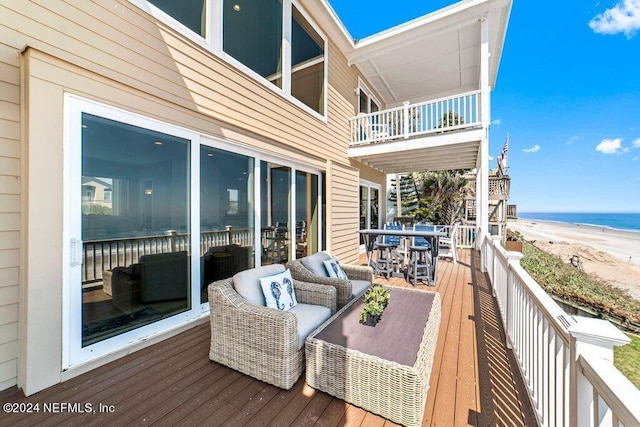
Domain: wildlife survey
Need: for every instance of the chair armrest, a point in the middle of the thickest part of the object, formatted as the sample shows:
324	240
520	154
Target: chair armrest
358	272
316	294
239	326
343	286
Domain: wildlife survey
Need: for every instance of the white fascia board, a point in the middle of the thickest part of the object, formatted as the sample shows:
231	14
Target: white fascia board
402	146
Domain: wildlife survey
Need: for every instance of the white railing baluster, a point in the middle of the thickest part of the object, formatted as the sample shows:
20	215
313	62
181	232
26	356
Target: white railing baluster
565	361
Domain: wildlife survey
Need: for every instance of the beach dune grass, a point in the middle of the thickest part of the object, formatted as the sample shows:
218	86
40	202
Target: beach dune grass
568	283
627	359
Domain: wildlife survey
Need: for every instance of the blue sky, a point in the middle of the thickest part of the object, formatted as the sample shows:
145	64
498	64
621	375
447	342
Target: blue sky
568	95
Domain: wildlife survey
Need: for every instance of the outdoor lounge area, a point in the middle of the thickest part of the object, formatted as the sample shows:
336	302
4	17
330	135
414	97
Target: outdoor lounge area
472	380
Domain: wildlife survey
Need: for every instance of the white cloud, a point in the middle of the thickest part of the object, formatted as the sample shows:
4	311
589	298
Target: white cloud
636	143
573	139
610	146
624	17
496	122
533	149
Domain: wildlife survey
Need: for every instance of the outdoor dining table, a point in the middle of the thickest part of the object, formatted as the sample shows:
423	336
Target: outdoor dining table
370	236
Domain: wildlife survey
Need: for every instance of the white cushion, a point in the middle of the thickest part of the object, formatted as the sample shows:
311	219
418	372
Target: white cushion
334	269
315	263
278	291
309	317
247	282
359	286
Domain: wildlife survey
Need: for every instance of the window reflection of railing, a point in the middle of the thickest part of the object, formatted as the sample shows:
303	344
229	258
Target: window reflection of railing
101	255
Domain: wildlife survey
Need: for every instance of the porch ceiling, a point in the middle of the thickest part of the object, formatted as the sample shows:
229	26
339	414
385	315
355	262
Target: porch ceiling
455	151
435	55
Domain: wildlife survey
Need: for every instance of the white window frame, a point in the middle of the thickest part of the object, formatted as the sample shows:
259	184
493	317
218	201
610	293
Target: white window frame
362	87
73	354
213	43
370	185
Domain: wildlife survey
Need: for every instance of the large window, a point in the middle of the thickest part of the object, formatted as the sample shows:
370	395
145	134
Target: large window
273	40
190	13
307	63
252	34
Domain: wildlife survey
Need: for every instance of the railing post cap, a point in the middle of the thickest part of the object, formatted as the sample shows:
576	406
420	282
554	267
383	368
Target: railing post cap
514	255
597	332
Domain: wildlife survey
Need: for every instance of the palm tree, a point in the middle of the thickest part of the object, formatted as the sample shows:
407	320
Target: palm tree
450	119
442	195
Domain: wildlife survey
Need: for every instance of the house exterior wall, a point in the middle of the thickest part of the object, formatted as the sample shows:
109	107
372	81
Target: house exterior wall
10	199
115	53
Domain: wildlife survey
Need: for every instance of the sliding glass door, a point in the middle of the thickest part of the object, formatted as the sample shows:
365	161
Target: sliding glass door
155	213
275	202
369	206
226	215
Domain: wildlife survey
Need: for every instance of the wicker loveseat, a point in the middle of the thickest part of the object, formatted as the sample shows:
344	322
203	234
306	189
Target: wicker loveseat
265	343
312	269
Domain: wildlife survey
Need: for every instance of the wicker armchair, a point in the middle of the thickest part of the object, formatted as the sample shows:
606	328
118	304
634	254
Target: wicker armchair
344	287
259	341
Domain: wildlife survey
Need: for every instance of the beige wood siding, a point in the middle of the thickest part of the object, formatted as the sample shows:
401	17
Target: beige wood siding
9	212
343	212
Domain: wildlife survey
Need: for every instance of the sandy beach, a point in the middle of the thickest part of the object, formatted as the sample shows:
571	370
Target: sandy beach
611	255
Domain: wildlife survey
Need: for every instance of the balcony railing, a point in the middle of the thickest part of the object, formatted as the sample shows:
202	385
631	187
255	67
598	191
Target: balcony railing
411	120
566	361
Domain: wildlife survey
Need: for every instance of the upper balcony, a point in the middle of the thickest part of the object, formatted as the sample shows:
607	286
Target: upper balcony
439	134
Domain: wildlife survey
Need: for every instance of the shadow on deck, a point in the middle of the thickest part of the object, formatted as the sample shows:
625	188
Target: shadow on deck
174	382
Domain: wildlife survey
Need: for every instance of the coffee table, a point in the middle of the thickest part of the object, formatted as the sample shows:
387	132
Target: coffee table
383	369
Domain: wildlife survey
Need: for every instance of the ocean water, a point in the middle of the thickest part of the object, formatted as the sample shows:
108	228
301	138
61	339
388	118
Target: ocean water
620	221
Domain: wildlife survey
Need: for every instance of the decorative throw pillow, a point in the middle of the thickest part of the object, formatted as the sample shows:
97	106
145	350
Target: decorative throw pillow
278	291
334	269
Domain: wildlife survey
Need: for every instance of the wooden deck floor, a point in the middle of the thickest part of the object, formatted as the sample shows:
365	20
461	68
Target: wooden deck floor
174	382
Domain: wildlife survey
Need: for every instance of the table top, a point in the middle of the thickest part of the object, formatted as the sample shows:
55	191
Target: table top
406	233
398	335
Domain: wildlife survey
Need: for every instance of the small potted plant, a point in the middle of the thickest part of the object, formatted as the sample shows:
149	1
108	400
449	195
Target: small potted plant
370	313
375	299
377	293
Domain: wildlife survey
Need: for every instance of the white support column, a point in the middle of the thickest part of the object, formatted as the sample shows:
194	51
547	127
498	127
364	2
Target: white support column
596	338
482	178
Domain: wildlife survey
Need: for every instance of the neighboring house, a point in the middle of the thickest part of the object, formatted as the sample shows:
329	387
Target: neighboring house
211	120
96	192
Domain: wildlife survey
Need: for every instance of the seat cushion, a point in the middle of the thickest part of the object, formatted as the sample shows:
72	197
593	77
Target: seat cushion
359	286
315	263
247	283
309	318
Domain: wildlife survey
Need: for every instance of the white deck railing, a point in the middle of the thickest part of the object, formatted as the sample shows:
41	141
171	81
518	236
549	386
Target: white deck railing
436	116
566	361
